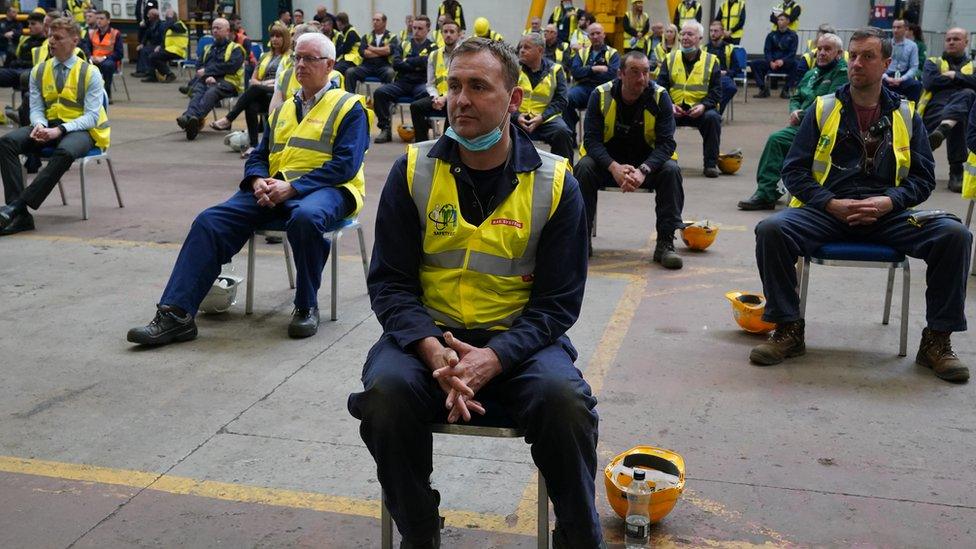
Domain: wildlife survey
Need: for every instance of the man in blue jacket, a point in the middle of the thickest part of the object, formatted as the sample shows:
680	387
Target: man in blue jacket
410	61
221	74
592	65
478	270
856	172
779	57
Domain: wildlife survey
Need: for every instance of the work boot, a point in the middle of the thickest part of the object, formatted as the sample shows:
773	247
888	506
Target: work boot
10	212
763	93
935	352
711	172
756	202
192	127
938	135
665	255
432	543
304	322
169	78
185	90
139	74
784	93
181	121
149	79
385	136
786	341
168	326
22	221
955	178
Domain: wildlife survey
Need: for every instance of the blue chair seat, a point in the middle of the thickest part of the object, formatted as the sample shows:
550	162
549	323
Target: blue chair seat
279	225
96	155
373	79
46	152
858	251
405	99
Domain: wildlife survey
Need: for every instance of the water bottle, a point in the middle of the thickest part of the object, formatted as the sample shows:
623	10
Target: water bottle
637	525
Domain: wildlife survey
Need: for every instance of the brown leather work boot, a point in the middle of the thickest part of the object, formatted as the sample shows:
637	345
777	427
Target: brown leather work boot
935	352
786	341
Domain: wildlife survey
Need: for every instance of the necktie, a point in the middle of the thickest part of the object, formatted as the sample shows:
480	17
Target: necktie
60	75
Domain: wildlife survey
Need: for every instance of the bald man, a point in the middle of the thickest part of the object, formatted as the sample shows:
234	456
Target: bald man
221	74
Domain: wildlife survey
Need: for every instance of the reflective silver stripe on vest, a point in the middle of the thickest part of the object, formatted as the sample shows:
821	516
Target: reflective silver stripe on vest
450	259
970	169
829	103
449	322
324	143
423	181
906	115
606	99
275	147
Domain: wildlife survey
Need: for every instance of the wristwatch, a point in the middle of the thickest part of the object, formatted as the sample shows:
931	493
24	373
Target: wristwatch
644	169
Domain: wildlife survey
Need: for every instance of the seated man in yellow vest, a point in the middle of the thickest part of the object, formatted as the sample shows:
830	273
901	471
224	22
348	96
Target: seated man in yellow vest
347	46
693	79
176	41
376	49
106	48
307	171
478	271
544	97
594	64
969	180
66	115
628	142
556	51
858	163
221	75
436	100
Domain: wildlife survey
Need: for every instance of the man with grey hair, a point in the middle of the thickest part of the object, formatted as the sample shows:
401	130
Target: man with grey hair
306	173
486	337
543	85
829	73
221	75
779	56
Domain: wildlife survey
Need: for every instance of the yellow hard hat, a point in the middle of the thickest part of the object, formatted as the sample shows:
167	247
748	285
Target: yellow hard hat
406	133
481	27
730	162
747	309
699	235
664	471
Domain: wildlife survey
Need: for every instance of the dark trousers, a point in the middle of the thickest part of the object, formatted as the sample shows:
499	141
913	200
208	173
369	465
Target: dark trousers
666	182
10	78
760	68
219	232
343	66
143	64
709	125
107	68
729	89
557	135
546	395
159	61
951	105
909	88
386	96
579	96
944	244
356	75
17	142
203	97
254	104
420	111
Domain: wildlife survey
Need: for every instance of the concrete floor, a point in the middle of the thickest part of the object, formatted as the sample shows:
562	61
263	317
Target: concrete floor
241	437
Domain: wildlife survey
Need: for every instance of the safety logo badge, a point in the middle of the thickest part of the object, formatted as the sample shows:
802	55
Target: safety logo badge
444	217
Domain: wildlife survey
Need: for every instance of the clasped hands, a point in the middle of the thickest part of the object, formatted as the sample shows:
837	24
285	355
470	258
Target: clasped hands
693	112
461	370
43	134
859	212
270	192
627	177
528	122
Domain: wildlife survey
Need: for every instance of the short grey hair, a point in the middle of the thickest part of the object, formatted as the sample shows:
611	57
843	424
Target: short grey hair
865	33
696	25
499	50
536	38
322	44
826	28
833	38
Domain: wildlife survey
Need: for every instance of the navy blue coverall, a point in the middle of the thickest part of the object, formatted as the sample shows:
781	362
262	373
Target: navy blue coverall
944	244
731	68
203	96
952	98
709	124
587	80
219	232
779	46
539	388
411	81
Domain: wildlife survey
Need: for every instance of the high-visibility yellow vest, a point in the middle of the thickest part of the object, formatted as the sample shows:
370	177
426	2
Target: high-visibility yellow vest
810	58
536	99
77	8
943	67
177	40
387	39
790	11
353	55
828	112
691	88
42	53
437	38
636	24
479	277
726	52
68	103
296	148
579	37
730	15
608	106
236	79
685	13
261	71
491	35
440	71
557	16
969	177
456	16
607	55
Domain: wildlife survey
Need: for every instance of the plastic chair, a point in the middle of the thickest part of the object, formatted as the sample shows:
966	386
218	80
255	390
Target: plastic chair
192	64
96	155
504	428
862	254
333	234
369	82
741	59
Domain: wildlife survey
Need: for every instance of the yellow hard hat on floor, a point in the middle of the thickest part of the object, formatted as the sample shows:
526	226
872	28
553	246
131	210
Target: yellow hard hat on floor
730	162
747	309
699	235
406	133
481	27
664	472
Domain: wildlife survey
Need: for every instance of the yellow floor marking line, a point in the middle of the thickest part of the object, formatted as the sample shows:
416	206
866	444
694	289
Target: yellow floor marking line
734	517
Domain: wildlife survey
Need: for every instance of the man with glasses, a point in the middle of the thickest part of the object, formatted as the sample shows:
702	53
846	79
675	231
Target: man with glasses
410	62
307	171
221	75
376	49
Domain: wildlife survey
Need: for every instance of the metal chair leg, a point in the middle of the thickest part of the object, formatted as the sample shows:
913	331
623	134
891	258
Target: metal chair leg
362	251
115	183
969	212
84	199
126	88
249	299
888	291
335	273
804	269
386	524
64	199
905	294
288	263
542	518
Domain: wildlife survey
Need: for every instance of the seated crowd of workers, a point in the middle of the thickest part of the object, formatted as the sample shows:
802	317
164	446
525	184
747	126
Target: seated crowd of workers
480	260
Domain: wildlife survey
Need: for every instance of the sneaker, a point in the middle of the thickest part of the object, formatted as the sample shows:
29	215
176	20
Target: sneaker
756	202
935	352
665	255
938	135
763	93
166	327
385	136
786	341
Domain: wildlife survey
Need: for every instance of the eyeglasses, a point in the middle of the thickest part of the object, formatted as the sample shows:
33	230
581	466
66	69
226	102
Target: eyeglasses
308	59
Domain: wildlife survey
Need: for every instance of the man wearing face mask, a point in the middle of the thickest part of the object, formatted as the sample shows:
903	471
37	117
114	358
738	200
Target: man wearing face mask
478	270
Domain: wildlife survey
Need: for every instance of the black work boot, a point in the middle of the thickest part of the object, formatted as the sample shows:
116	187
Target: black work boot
385	136
756	202
935	352
786	341
938	135
763	93
168	326
304	323
955	178
665	255
430	543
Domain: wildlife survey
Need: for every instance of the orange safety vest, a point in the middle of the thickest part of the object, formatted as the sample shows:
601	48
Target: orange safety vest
103	45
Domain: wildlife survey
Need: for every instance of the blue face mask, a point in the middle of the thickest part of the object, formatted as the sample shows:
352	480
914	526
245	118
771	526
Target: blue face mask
480	143
691	49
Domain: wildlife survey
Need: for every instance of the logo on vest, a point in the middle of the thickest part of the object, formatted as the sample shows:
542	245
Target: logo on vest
444	218
509	222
